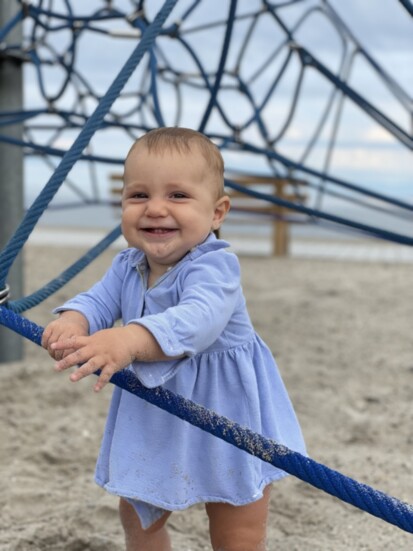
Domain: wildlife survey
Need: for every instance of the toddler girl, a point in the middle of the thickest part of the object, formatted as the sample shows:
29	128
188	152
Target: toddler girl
184	326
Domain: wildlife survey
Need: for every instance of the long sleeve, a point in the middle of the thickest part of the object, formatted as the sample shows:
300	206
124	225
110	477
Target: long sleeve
211	291
101	305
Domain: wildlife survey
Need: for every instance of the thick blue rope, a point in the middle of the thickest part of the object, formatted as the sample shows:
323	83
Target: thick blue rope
332	482
25	303
371	230
10	25
292	165
309	60
407	5
12	249
221	66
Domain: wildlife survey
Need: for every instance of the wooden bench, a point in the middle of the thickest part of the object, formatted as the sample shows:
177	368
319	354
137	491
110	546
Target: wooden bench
116	187
283	188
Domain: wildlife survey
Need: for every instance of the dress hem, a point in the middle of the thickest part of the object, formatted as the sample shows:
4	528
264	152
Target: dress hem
205	499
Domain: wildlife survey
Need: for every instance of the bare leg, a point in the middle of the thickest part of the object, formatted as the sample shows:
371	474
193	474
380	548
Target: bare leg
241	528
155	538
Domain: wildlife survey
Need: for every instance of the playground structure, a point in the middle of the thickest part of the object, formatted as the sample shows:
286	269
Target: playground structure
234	139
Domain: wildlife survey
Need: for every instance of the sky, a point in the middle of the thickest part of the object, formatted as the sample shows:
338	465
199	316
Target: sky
364	152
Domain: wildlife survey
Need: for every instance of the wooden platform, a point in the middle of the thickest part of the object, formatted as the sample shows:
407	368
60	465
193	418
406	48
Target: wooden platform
286	189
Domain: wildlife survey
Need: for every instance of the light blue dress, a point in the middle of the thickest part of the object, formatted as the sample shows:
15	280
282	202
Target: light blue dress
151	458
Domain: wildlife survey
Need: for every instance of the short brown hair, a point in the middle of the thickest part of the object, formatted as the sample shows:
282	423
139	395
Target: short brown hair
180	140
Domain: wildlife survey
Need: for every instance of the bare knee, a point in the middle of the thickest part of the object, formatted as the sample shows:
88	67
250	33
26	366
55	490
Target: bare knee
241	528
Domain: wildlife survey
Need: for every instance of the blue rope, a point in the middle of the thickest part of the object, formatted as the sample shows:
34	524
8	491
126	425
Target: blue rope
109	13
371	230
407	4
330	481
57	283
10	25
47	150
309	60
292	165
154	90
10	252
221	66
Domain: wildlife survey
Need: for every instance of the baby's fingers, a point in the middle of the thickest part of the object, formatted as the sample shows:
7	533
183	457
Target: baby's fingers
69	357
50	335
87	366
85	370
104	378
69	343
92	366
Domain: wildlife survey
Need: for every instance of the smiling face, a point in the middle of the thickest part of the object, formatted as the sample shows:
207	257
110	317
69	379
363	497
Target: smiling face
170	203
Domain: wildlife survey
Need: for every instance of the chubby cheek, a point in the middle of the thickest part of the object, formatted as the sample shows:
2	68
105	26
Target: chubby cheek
129	223
124	224
130	215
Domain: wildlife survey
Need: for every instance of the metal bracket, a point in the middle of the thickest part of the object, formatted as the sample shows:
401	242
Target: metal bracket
4	295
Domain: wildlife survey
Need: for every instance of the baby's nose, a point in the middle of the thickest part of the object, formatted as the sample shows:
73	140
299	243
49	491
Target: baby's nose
156	207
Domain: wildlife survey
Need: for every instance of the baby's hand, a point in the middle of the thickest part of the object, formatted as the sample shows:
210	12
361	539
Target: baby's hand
69	324
109	351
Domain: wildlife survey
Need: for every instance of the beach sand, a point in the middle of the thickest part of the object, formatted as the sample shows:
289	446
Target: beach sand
342	336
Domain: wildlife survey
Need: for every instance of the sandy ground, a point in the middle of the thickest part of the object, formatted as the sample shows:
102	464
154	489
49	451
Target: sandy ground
342	336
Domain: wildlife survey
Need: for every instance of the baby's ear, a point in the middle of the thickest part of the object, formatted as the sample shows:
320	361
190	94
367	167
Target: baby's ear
222	207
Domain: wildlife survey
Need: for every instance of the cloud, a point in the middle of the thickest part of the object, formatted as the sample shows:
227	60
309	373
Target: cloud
377	135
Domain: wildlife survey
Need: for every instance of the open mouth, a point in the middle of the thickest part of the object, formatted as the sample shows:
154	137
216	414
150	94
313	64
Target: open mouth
159	231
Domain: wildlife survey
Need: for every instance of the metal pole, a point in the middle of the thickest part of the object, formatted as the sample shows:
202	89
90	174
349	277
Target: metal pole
11	173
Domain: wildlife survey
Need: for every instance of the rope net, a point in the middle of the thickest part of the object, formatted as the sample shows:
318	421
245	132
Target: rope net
242	74
218	73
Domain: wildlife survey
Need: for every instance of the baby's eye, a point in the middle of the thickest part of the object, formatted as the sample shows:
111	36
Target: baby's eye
179	195
139	195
